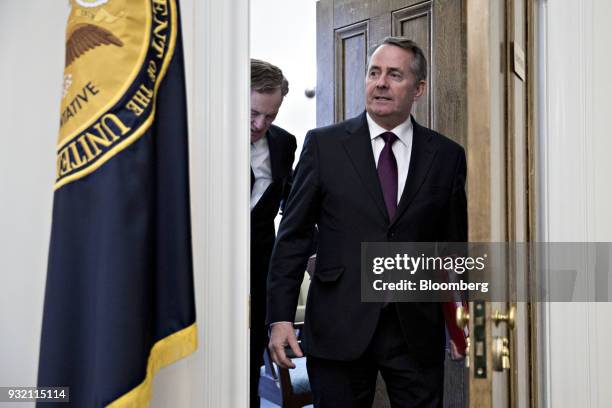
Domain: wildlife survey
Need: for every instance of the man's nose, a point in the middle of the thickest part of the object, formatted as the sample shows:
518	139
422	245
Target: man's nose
381	82
258	122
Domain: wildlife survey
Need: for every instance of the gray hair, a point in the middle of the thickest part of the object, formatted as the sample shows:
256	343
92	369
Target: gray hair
418	67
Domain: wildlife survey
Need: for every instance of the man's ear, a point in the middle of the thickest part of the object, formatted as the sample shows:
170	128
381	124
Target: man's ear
420	89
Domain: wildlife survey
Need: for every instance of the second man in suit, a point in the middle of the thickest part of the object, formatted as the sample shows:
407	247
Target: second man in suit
272	154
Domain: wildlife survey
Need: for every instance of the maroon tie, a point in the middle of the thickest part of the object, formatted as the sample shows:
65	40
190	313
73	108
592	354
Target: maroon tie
387	173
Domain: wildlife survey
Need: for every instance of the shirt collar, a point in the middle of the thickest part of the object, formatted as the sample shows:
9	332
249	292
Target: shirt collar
403	131
260	144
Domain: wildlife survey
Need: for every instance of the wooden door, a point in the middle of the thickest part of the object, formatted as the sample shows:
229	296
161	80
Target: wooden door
520	188
501	156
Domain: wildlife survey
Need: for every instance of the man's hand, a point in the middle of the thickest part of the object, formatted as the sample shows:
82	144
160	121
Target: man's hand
454	352
281	335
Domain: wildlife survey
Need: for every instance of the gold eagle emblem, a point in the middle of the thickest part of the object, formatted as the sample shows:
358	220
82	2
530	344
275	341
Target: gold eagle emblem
85	37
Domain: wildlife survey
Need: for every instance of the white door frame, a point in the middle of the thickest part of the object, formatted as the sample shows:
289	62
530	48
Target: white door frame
220	178
573	194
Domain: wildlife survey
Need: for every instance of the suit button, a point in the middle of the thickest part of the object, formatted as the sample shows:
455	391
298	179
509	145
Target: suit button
391	234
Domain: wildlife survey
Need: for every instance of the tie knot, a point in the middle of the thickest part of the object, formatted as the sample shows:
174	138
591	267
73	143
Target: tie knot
389	137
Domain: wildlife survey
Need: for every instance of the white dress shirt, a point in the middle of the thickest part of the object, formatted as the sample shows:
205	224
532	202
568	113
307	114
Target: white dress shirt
262	169
402	148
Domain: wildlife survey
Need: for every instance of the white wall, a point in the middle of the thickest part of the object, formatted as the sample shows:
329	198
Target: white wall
31	66
575	189
283	32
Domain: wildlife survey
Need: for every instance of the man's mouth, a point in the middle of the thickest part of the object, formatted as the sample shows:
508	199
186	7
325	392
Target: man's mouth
256	134
382	98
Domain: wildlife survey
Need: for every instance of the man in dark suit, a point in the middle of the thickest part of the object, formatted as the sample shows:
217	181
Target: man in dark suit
379	177
272	154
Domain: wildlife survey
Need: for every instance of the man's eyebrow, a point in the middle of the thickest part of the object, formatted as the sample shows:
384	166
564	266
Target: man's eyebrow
392	69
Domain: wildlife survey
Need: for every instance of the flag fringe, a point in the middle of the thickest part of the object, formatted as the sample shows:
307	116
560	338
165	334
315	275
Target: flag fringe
166	351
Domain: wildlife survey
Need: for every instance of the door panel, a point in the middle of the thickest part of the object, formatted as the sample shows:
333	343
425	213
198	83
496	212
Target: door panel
448	85
351	55
416	22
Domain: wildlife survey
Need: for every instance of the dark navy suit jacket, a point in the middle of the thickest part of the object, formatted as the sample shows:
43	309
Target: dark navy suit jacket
336	188
281	145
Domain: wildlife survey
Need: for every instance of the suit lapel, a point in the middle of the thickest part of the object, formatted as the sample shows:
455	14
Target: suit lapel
358	146
421	158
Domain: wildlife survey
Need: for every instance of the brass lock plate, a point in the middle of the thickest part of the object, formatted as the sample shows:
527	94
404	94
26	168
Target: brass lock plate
479	340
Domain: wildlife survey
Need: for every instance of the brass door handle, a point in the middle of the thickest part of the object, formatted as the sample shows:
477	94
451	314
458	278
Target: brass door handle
462	317
501	354
509	318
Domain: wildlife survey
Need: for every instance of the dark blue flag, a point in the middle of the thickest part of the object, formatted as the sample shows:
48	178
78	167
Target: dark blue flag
119	301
